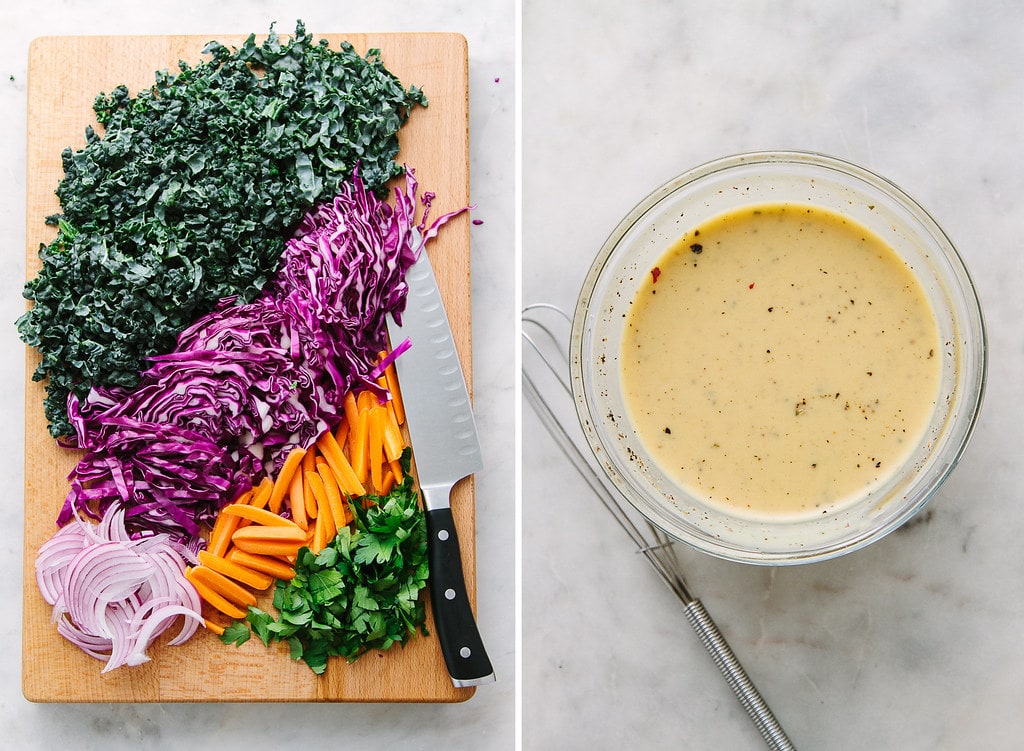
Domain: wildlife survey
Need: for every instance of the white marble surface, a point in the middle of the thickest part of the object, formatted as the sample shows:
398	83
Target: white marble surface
487	721
913	643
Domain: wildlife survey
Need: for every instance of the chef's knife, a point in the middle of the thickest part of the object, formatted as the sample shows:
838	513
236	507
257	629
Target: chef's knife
446	449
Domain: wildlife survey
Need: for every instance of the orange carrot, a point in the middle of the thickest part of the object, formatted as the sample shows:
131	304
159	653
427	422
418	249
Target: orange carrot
284	478
255	579
393	441
224	527
366	400
396	470
326	526
297	500
223	586
215	599
376	418
292	533
214	627
262	493
358	445
262	563
260	516
309	465
388	483
333	493
351	409
319	541
270	547
341	432
382	379
391	374
348	481
220	536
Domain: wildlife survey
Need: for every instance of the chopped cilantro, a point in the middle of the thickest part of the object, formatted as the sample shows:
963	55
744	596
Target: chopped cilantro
236	633
359	593
189	194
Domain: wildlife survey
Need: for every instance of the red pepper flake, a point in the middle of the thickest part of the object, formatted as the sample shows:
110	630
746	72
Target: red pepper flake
655	273
750	286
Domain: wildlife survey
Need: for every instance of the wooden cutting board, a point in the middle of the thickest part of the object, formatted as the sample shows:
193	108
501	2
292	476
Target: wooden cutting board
65	75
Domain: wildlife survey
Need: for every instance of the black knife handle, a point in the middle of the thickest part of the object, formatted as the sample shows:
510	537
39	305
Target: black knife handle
461	645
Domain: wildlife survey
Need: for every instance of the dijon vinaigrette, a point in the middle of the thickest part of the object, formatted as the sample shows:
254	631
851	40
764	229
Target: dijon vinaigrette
780	360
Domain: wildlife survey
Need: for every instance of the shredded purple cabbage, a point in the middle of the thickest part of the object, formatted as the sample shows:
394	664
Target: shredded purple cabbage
248	383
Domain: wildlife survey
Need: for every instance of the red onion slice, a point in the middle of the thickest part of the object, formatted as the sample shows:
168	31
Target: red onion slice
113	596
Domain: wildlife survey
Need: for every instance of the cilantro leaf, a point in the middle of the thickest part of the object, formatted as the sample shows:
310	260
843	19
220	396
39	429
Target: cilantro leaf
361	592
237	633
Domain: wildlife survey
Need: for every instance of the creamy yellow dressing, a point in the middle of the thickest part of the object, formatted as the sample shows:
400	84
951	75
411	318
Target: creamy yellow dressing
780	360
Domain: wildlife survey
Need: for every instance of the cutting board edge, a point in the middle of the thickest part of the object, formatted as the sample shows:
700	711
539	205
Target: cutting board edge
34	690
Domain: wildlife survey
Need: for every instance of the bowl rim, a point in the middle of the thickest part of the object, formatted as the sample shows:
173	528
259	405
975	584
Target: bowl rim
963	422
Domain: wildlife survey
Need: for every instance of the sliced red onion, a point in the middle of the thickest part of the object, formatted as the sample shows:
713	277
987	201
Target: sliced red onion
114	595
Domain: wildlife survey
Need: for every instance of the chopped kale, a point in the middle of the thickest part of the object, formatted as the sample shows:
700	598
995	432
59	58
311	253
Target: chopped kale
188	196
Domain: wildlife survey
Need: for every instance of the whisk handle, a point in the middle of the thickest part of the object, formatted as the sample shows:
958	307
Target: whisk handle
737	677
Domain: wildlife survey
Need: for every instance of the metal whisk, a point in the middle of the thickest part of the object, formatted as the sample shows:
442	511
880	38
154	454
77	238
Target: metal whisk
545	362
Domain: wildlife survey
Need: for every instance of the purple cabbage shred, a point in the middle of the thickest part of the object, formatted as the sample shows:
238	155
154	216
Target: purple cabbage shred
248	383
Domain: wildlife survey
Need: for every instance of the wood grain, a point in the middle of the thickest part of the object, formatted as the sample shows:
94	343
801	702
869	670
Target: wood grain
65	75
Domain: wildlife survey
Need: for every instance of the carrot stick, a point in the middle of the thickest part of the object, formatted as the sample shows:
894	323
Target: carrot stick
224	586
297	500
223	527
270	547
391	374
215	600
333	494
351	409
319	541
358	440
262	493
366	400
220	537
341	432
382	379
396	470
262	563
260	516
393	441
293	533
255	579
376	418
388	483
214	627
309	465
284	478
325	529
348	480
326	524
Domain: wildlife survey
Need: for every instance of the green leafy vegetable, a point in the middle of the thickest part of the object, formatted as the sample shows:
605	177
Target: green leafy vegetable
359	593
236	633
190	193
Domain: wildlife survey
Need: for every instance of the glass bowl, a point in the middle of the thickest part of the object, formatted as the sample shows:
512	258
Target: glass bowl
645	235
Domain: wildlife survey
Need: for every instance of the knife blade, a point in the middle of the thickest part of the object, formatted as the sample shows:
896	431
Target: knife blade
446	449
